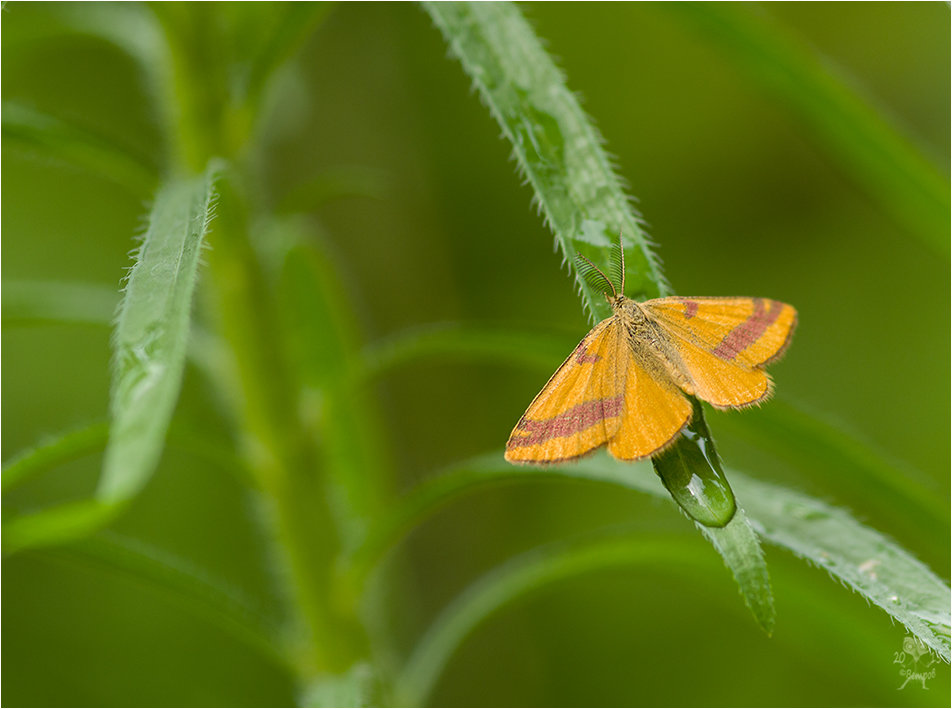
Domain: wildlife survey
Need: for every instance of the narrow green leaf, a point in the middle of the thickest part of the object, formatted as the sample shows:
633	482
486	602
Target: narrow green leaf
131	28
862	558
852	127
323	345
55	451
69	445
827	536
53	137
150	345
56	525
128	26
179	581
559	150
57	303
515	579
452	340
152	334
737	543
296	22
555	144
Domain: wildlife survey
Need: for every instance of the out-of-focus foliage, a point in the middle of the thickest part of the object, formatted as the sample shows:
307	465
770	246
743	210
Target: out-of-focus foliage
370	189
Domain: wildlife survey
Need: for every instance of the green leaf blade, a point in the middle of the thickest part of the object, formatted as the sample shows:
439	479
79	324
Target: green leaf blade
55	525
515	579
559	150
829	537
51	452
150	347
152	334
27	303
50	136
738	545
555	144
862	558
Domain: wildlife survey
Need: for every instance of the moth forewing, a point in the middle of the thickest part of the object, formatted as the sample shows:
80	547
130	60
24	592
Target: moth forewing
580	407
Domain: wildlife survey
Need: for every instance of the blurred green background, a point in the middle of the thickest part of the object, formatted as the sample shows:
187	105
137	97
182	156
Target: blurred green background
740	198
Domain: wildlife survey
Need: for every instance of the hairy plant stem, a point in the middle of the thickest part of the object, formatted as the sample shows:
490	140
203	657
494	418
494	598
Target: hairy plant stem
324	636
326	639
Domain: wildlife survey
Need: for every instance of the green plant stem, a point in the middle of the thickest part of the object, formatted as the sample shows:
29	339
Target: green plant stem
281	460
323	641
195	84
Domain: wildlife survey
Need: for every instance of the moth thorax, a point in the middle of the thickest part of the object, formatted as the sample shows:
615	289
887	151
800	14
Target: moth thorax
619	302
628	309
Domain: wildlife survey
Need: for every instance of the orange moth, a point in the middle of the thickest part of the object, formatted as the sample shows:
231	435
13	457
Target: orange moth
626	384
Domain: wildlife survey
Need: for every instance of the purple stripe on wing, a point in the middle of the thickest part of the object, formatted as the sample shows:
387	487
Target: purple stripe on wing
568	423
752	329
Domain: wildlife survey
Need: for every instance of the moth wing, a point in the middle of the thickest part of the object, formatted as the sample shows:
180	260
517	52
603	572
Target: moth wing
655	412
580	407
725	385
724	343
746	331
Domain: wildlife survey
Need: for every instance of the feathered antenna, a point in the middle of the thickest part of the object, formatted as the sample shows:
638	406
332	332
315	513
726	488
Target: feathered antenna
593	274
618	264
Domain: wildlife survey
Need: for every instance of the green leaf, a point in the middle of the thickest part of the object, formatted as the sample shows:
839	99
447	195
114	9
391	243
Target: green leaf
57	303
559	151
737	543
195	590
149	345
52	137
555	144
443	341
132	29
854	130
56	525
865	560
295	23
827	536
54	451
152	334
323	348
516	578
